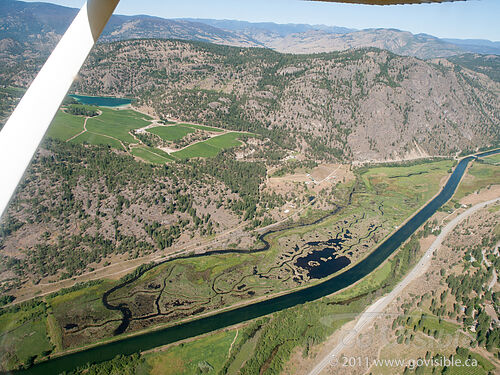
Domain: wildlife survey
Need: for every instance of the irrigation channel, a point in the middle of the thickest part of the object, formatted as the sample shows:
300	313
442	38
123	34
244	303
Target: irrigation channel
227	318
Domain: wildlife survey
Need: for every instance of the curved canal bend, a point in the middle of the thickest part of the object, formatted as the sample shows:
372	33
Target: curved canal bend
127	314
228	318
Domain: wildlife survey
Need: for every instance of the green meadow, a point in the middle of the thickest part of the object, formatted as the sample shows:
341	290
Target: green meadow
203	127
117	124
479	175
493	159
210	147
64	126
97	139
113	128
225	141
24	334
152	155
204	355
172	132
198	150
108	128
68	307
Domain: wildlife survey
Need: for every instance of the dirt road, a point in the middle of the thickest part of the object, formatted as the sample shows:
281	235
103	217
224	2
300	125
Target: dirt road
377	308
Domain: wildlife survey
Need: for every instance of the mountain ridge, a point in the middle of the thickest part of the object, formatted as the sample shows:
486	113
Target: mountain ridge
38	26
365	104
281	29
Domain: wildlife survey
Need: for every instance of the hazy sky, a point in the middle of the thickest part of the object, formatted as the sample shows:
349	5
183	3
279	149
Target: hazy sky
463	19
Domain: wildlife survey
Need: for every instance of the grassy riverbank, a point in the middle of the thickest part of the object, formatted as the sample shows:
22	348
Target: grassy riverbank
199	285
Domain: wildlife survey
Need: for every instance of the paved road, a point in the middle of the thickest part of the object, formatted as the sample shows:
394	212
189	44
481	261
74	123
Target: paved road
377	308
488	264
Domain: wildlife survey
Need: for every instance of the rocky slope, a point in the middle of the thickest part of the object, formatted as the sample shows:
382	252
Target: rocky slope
38	26
365	104
400	42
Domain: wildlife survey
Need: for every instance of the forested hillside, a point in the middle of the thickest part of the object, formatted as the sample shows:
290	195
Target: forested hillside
80	205
365	104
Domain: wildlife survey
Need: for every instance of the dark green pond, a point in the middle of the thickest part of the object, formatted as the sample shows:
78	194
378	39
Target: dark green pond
224	319
102	101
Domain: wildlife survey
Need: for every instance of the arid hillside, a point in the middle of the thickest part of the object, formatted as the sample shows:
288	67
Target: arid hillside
365	104
397	41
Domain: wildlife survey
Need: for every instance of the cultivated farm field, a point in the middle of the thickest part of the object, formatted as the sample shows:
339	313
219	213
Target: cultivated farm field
151	154
114	128
172	132
210	147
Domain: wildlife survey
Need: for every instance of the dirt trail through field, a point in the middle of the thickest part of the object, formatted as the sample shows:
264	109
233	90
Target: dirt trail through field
232	344
83	131
169	150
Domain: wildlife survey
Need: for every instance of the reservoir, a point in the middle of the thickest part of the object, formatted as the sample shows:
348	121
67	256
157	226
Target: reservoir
228	318
102	101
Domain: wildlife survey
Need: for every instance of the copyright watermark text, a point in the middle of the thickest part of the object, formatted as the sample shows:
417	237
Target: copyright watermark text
412	364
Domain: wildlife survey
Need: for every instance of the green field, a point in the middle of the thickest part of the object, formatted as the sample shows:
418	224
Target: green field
64	126
97	139
204	355
493	159
72	308
171	133
225	141
418	182
210	147
111	127
27	335
479	175
65	302
117	124
203	127
114	126
244	354
152	155
198	150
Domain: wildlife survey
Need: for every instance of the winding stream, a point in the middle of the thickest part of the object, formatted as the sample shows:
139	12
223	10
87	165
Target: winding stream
334	264
152	339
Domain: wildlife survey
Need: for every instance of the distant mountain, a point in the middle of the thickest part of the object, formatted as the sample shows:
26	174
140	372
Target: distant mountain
31	26
25	22
303	38
279	29
477	45
40	25
400	42
36	27
137	27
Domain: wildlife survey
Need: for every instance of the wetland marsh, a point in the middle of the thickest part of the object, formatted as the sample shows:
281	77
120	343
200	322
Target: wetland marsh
203	283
